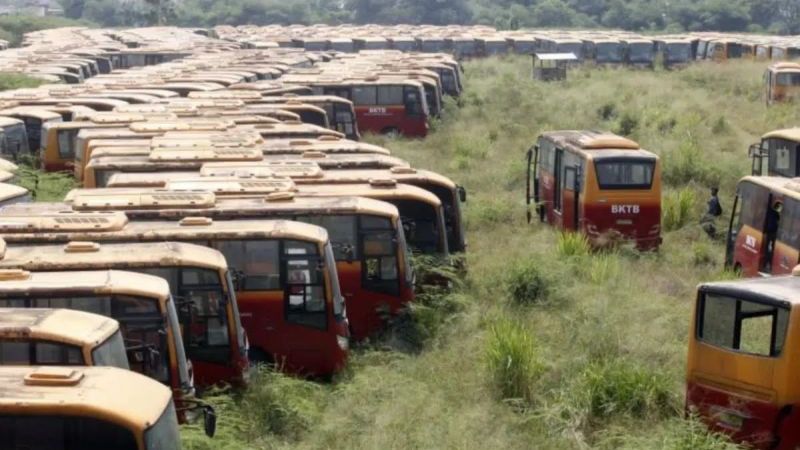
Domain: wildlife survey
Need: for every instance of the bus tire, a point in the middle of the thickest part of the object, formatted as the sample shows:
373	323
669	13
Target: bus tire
737	269
390	131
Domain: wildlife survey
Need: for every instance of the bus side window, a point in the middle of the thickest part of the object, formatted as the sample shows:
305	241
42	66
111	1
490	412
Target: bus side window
789	227
782	157
304	286
365	95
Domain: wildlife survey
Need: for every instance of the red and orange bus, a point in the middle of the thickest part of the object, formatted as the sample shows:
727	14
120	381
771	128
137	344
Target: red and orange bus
367	237
599	184
284	273
743	359
764	230
382	105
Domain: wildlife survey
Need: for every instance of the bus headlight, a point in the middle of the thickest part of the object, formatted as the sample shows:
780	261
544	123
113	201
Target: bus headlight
343	342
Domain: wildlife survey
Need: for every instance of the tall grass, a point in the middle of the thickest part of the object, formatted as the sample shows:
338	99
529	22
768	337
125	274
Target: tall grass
572	245
513	360
678	209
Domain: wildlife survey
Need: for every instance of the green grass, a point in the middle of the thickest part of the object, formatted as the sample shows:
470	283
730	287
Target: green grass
594	343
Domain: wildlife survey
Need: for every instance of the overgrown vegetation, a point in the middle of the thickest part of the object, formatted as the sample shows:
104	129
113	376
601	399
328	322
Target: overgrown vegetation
14	27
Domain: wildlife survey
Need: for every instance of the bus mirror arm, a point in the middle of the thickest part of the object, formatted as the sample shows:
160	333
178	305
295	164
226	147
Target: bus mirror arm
462	194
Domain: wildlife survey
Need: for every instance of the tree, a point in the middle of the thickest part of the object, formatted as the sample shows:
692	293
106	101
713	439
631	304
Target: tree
73	9
553	13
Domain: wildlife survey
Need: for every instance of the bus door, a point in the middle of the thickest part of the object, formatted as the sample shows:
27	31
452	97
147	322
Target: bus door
570	188
747	239
558	191
344	120
768	78
787	243
304	301
757	153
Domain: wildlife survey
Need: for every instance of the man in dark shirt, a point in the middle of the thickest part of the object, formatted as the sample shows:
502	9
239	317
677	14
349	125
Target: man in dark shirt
708	222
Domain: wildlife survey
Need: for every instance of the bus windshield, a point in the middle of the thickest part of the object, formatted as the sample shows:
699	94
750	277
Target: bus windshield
746	326
111	353
205	321
56	432
608	52
38	353
626	173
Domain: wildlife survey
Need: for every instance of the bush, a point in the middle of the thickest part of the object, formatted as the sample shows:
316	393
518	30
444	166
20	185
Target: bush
688	164
282	405
677	209
572	244
17	25
513	360
619	387
526	284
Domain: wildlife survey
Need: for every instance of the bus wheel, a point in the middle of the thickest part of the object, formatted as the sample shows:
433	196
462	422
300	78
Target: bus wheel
737	270
391	131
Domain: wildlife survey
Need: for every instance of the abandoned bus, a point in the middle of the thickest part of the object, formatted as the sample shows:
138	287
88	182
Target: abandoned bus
34	118
57	150
60	337
779	149
142	305
782	82
11	194
382	105
198	277
600	184
341	112
287	287
743	360
78	408
763	232
13	140
366	235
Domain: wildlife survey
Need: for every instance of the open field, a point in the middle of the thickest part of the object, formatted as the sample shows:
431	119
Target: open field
543	345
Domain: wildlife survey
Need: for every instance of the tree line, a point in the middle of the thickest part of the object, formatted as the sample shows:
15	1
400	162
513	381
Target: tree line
774	16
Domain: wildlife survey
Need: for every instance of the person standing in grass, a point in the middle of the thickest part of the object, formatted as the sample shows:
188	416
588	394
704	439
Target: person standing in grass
708	222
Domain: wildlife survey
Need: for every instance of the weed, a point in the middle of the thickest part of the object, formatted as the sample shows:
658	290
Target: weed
526	284
619	387
513	360
627	124
572	245
677	209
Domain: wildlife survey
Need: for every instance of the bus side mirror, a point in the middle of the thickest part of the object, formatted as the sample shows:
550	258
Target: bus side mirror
348	252
462	194
209	421
238	279
754	150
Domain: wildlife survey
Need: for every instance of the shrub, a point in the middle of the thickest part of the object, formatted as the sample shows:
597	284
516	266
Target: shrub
526	284
604	267
16	81
619	387
688	164
281	405
627	124
513	360
572	244
703	254
677	209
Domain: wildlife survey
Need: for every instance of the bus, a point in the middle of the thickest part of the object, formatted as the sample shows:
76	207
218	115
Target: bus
674	52
779	150
762	234
61	337
366	235
198	279
743	359
782	82
421	212
11	194
284	274
75	408
382	105
142	304
341	111
57	150
597	183
640	52
13	140
34	119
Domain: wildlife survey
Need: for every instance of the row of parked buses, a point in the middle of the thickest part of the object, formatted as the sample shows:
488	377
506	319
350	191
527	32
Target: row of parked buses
221	220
